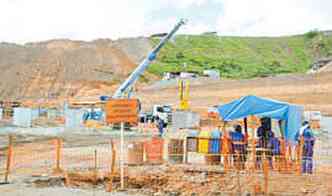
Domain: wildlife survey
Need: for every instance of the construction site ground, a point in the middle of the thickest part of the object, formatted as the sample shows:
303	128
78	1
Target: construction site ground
312	91
34	177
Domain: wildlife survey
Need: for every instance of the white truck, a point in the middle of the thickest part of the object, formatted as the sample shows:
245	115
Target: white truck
163	112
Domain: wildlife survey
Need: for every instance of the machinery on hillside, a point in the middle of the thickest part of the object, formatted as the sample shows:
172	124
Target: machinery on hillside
184	95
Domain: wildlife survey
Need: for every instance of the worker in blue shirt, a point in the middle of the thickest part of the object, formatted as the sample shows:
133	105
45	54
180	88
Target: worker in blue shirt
160	125
238	147
308	147
264	133
274	147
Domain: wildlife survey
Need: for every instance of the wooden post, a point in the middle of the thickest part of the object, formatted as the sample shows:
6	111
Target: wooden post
58	148
299	158
252	166
246	135
255	188
238	168
238	181
282	155
266	168
112	173
66	179
95	171
289	158
253	142
253	145
185	150
122	157
9	157
224	153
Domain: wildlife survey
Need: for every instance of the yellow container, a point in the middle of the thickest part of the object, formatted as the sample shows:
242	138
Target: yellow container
203	142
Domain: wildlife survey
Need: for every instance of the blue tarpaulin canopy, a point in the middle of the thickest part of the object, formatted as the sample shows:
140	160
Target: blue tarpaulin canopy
252	105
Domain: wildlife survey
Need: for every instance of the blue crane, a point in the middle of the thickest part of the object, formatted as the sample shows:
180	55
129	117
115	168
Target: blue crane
128	83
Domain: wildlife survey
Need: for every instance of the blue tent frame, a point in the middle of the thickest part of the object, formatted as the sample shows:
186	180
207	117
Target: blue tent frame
253	105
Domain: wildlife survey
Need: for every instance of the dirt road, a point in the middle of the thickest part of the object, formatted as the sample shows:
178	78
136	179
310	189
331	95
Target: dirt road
312	91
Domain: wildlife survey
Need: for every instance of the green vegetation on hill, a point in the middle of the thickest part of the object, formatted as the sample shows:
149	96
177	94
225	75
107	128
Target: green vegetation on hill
243	57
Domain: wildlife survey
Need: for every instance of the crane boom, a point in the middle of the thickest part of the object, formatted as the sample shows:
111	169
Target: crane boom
145	63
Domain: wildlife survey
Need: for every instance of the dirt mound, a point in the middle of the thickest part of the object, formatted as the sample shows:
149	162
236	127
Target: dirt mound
63	68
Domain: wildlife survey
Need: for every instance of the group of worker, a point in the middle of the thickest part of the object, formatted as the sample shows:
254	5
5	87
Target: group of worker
269	146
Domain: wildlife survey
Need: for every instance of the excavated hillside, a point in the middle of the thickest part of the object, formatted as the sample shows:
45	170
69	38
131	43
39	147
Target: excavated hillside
65	68
55	70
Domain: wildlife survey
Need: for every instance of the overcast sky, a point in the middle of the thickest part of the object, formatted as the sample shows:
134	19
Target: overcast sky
35	20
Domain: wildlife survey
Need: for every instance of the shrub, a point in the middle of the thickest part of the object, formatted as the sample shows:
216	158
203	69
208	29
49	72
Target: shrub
311	34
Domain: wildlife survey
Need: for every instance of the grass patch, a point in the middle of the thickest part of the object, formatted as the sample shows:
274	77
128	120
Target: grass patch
242	57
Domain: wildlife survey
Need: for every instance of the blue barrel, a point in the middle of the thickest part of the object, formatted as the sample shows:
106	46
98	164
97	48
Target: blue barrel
215	144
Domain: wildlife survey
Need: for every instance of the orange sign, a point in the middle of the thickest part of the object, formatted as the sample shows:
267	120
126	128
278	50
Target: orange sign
122	110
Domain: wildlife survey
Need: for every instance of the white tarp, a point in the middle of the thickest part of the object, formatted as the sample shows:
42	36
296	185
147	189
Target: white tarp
185	120
22	117
74	118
